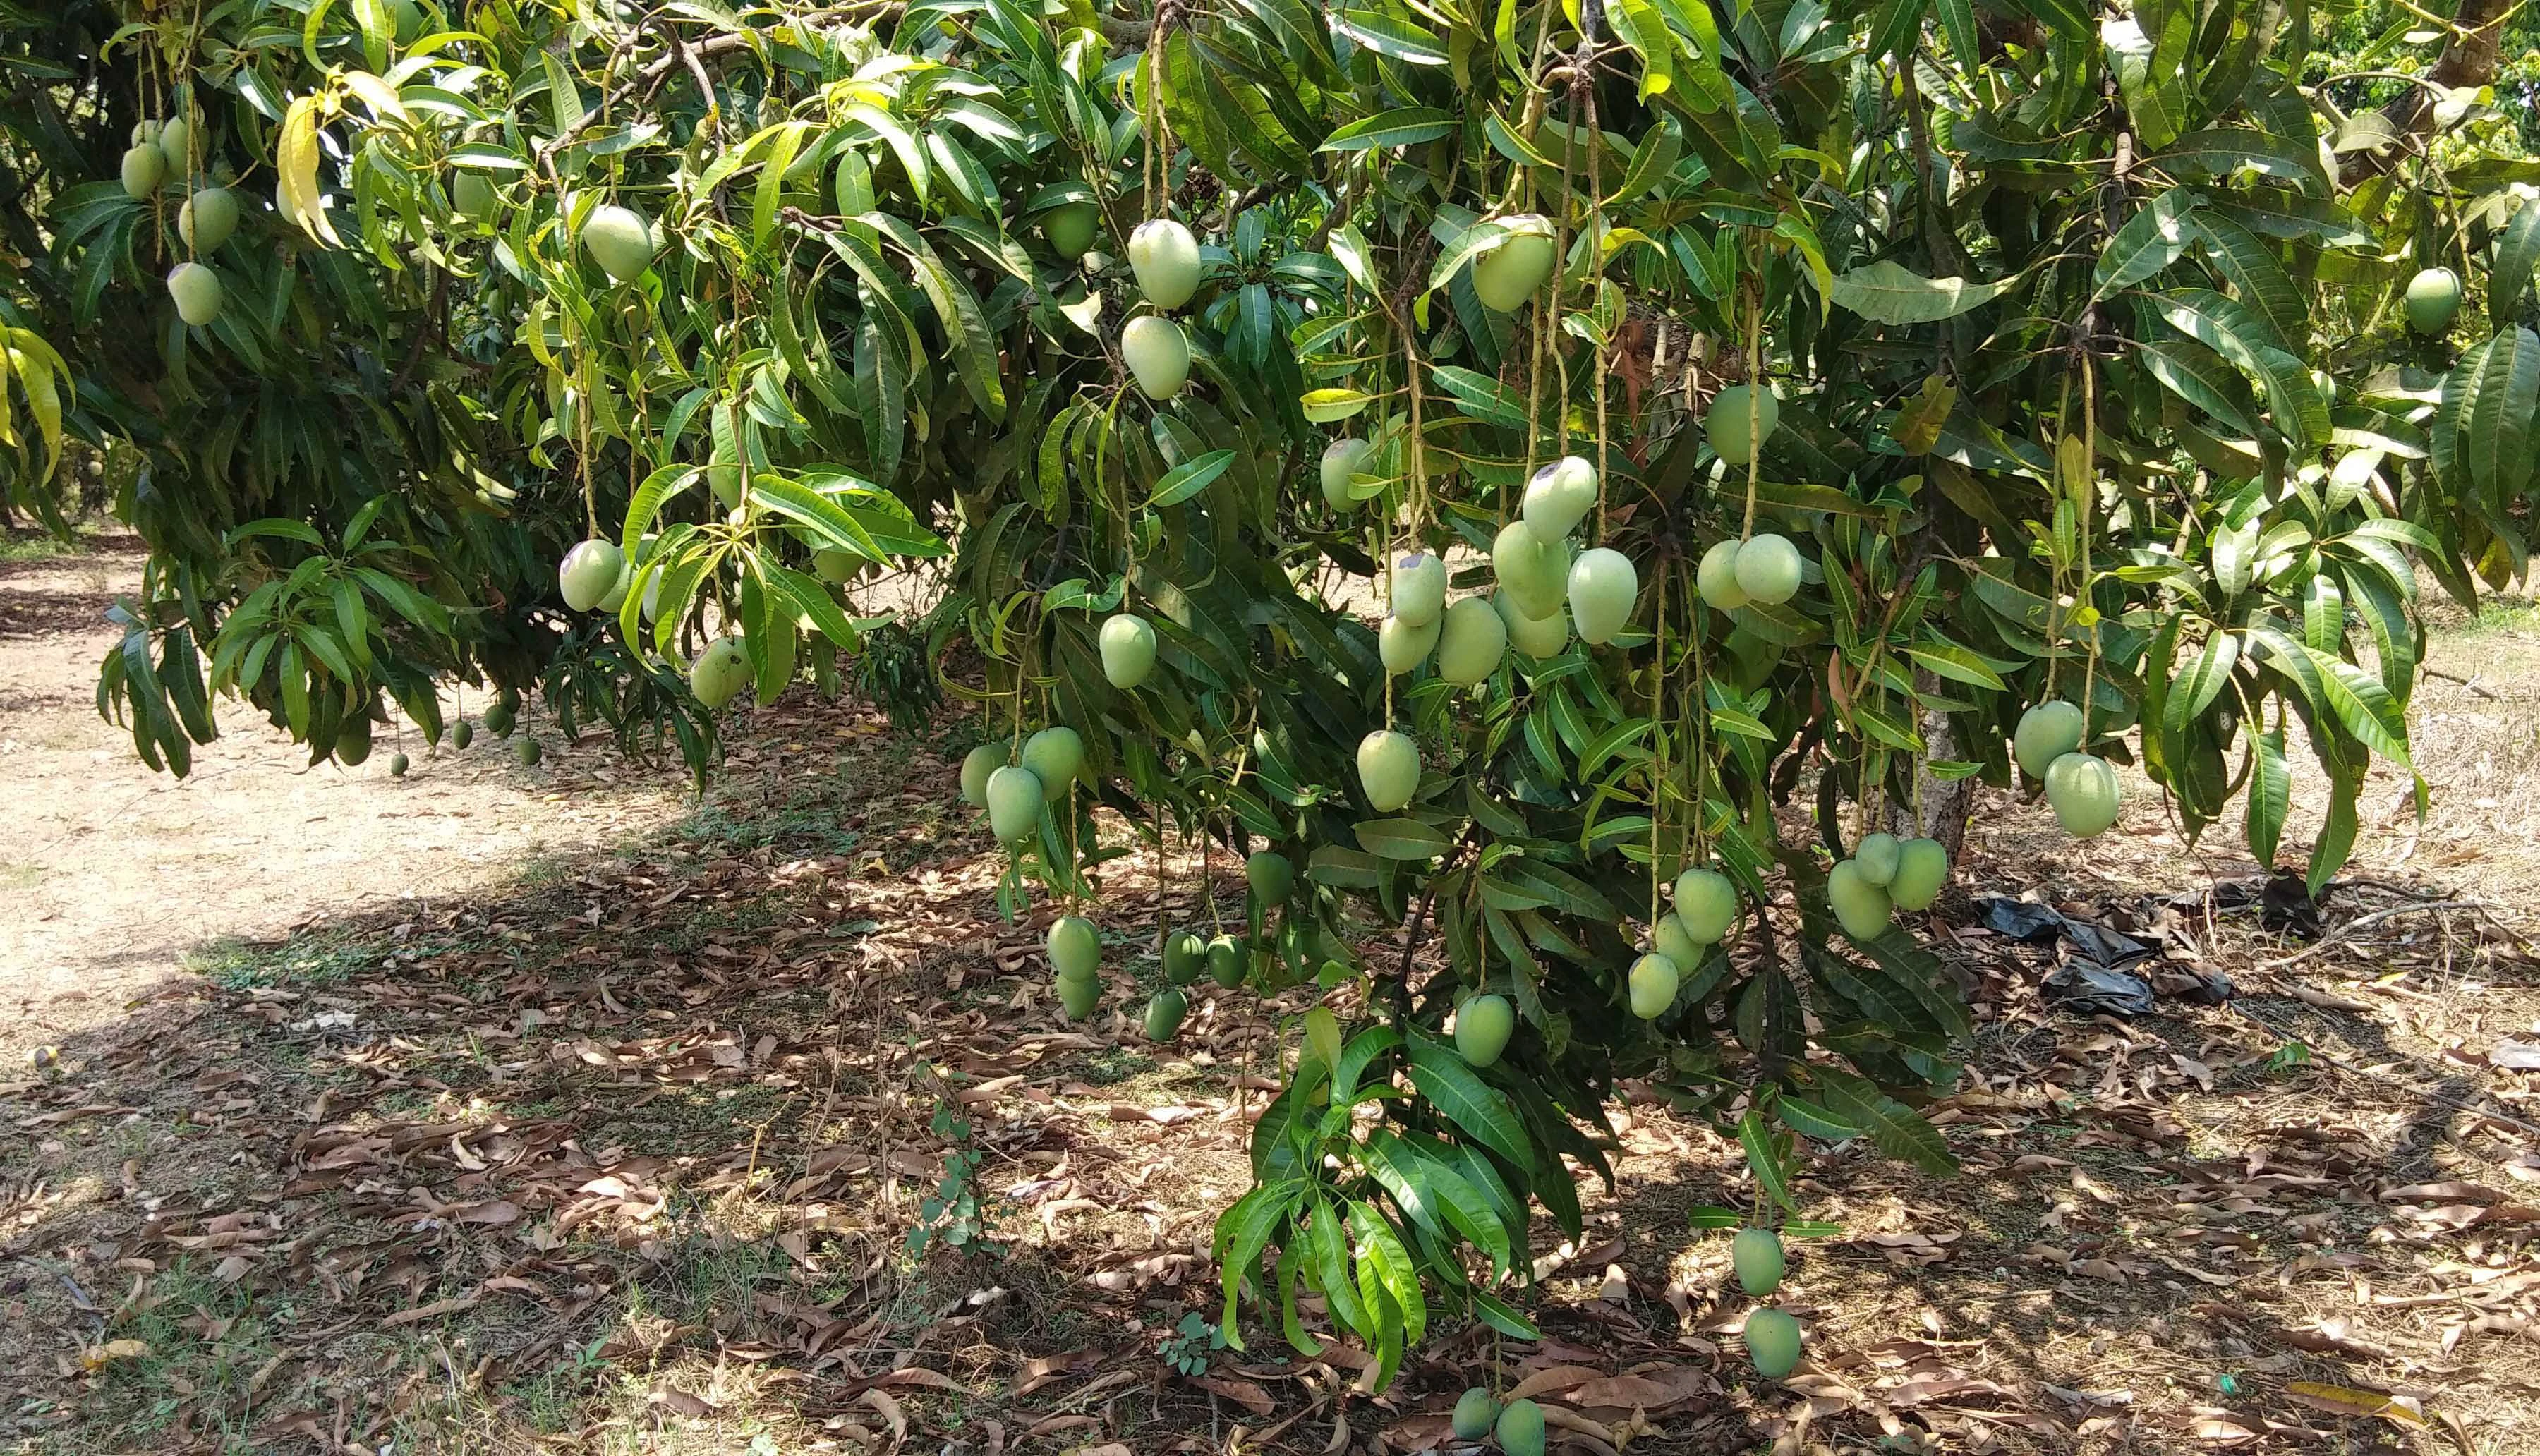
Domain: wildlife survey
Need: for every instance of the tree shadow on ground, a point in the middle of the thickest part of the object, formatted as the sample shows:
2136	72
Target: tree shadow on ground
631	1155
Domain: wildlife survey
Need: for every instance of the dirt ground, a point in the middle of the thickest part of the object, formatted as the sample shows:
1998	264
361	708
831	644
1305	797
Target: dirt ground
114	875
504	1110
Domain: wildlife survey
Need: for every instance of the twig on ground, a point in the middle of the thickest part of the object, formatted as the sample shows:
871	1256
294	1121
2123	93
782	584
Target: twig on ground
2344	932
2470	683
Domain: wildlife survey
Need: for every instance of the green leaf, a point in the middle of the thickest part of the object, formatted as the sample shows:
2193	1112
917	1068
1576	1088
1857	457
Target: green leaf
1401	127
1481	397
1957	664
1401	839
2200	377
289	531
2221	151
2154	238
1447	1192
1243	1233
2255	274
646	503
2362	704
1888	291
1764	1158
834	527
2194	691
1380	1250
1895	1129
1504	1317
2336	840
2516	253
1481	1111
2270	796
2249	341
1190	478
2496	441
1387	34
2147	72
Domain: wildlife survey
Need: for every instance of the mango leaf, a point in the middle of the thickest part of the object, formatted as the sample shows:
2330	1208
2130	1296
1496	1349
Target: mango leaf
1888	291
2154	238
2249	341
1896	1129
2516	253
1401	127
1462	1098
1401	839
2270	796
1190	478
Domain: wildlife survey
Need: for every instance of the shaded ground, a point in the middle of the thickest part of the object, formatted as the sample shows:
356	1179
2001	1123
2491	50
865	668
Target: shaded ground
625	1153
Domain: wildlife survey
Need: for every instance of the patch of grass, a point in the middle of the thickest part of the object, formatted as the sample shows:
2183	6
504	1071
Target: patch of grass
806	823
327	958
41	546
1114	1065
2500	615
693	1121
205	1339
16	875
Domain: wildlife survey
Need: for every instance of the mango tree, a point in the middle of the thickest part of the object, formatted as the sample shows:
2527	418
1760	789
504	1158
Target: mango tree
1584	489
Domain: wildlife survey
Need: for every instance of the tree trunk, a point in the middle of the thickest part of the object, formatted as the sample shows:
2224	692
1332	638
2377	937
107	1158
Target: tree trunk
2469	58
1940	810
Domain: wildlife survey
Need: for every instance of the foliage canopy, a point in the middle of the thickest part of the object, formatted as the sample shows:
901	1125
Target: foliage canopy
2088	332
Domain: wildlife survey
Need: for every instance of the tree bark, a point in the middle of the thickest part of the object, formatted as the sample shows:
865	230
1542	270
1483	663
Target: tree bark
2469	58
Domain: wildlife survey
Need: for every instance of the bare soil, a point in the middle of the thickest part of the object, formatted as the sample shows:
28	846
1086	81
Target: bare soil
113	874
506	1110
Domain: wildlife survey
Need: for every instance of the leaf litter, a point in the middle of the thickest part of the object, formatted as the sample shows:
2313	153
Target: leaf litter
635	1154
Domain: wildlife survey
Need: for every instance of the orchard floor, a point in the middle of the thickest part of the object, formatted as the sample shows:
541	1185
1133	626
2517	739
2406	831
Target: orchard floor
502	1109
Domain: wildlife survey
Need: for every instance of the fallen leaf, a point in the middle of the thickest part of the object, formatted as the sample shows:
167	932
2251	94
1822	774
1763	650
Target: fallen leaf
1244	1393
99	1357
2342	1399
693	1407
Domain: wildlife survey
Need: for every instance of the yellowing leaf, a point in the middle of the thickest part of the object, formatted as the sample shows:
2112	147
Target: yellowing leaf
2341	1400
99	1357
296	166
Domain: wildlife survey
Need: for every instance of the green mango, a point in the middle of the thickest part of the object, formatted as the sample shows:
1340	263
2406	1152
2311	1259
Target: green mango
1707	903
977	766
2046	732
1056	756
1483	1026
2082	791
1768	569
1014	799
1512	270
1521	1428
1475	1413
1739	421
1861	908
1075	945
1652	983
1185	958
1388	770
1271	876
1757	1255
1164	1012
1128	650
1922	869
1877	855
1773	1343
1226	961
